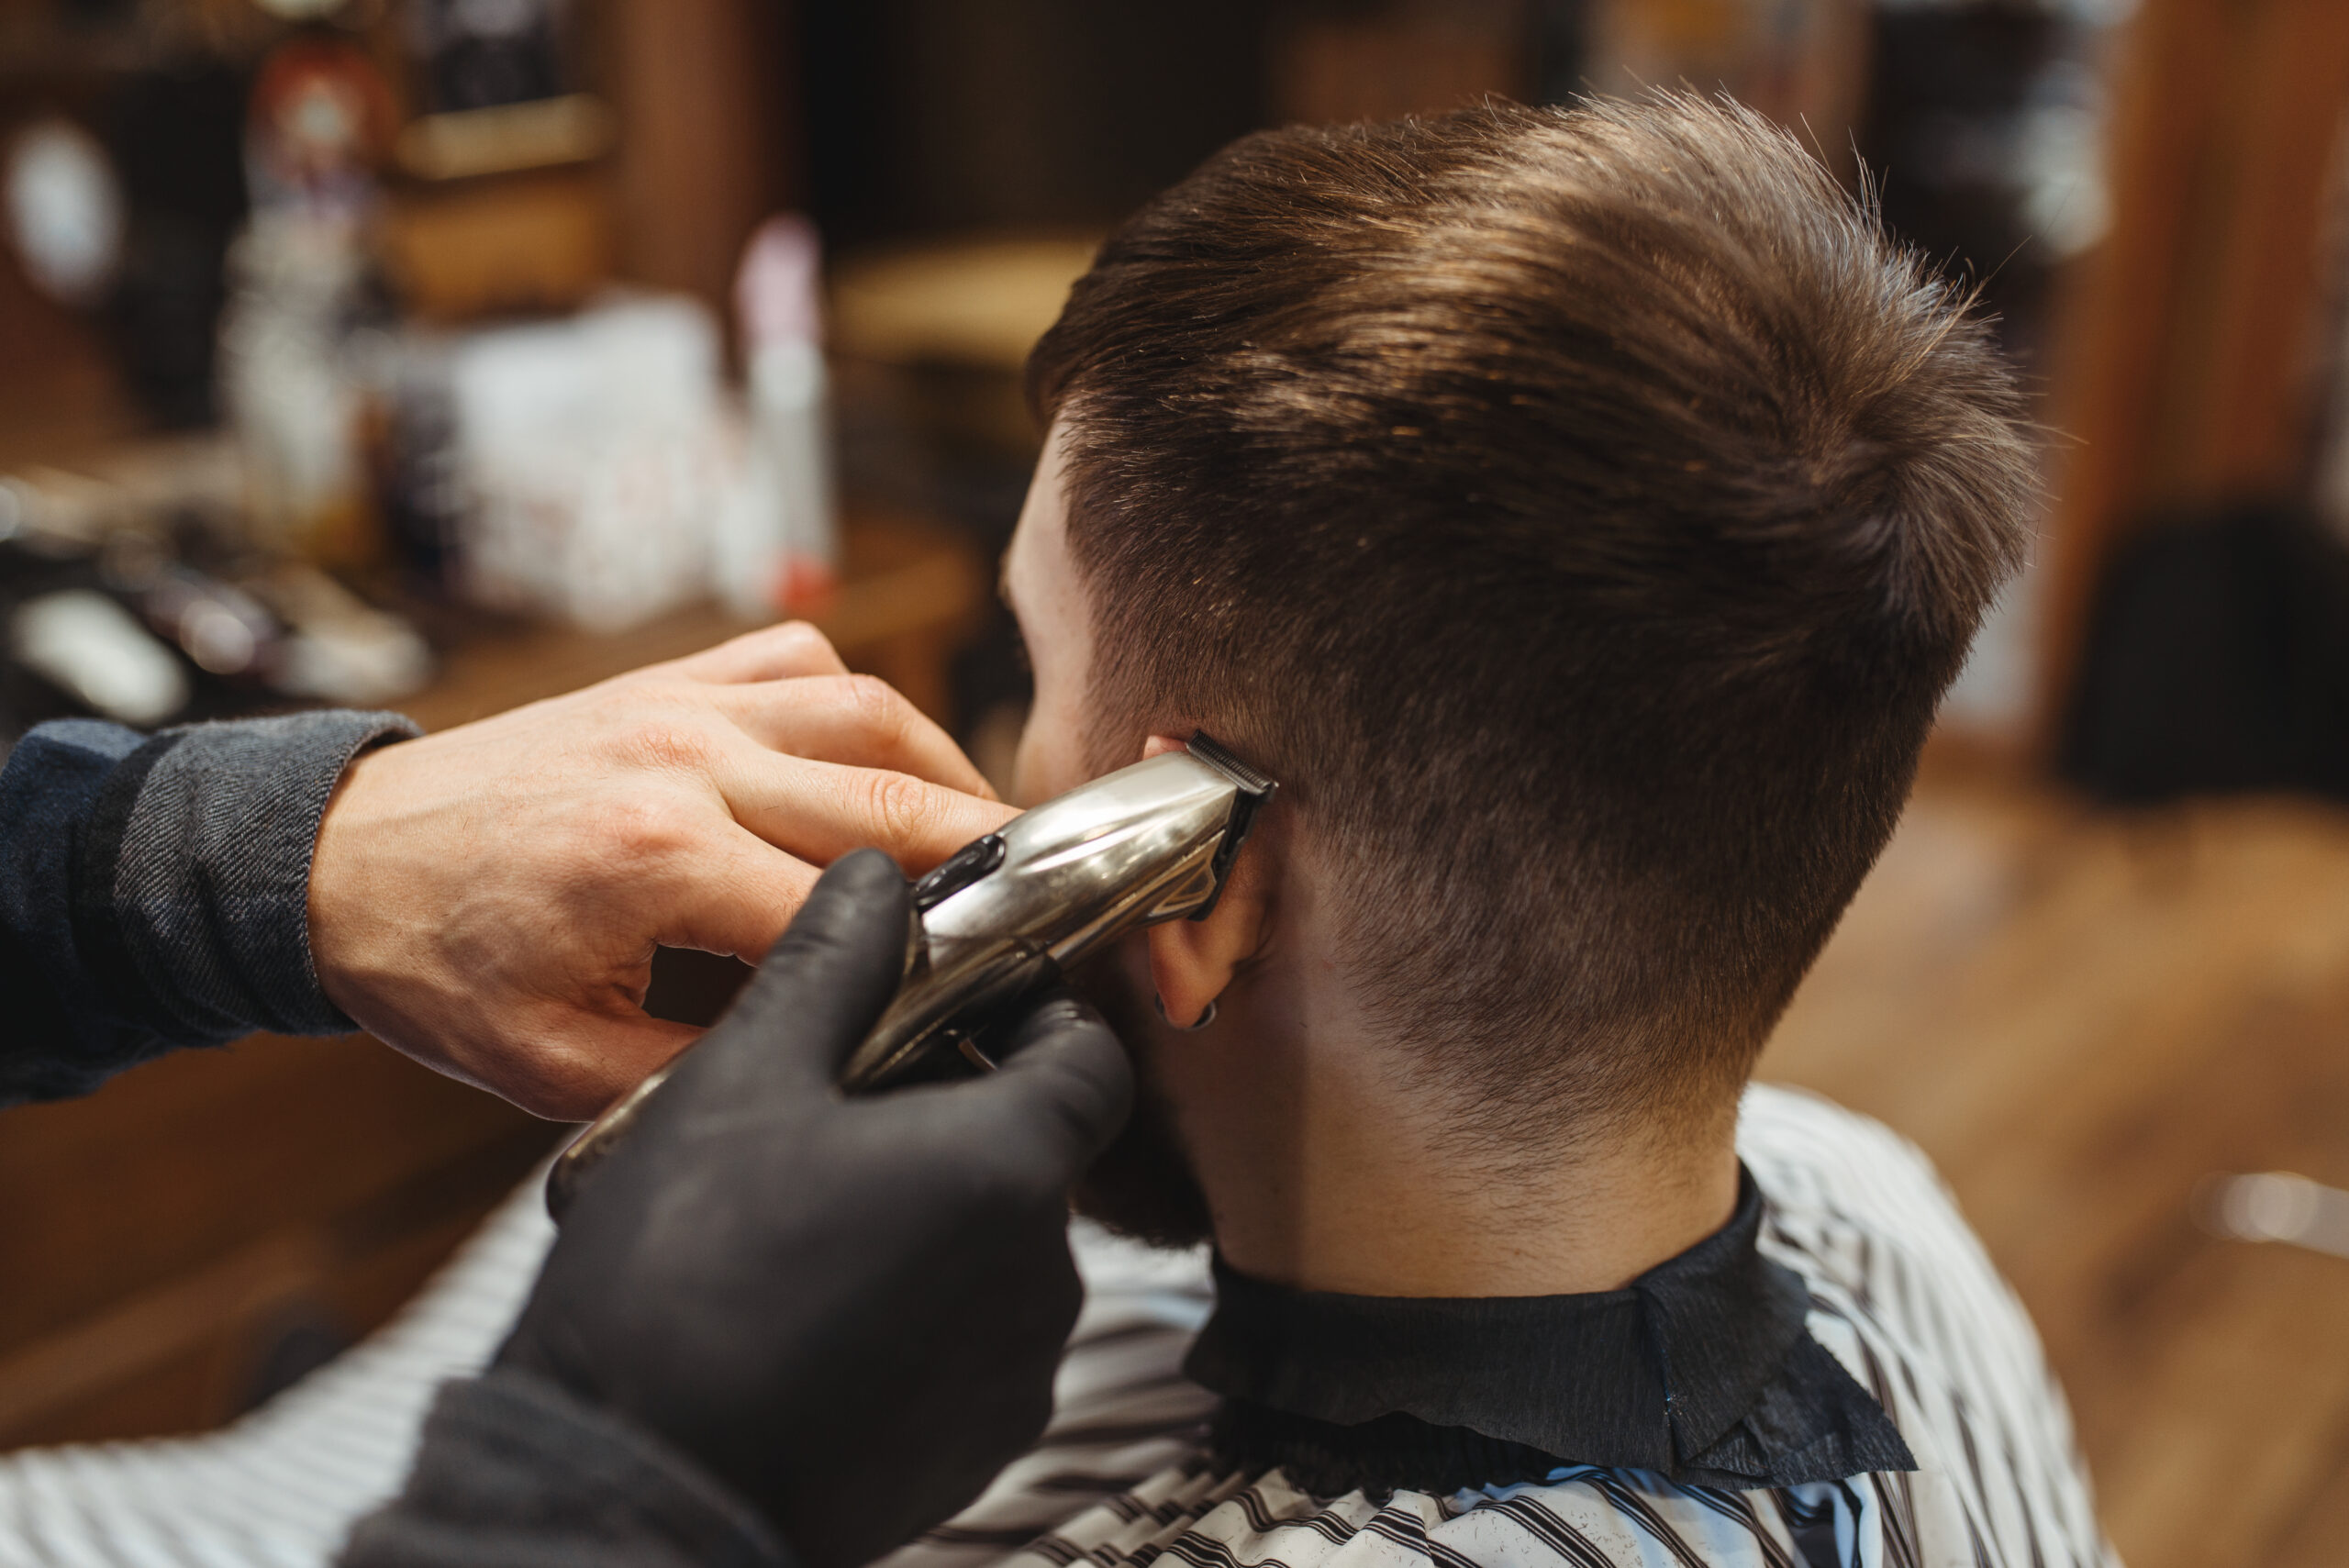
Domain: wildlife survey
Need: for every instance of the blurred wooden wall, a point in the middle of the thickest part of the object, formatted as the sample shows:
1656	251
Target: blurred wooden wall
2192	338
709	146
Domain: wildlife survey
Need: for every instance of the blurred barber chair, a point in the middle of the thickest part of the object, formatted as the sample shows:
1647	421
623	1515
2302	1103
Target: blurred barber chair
2216	661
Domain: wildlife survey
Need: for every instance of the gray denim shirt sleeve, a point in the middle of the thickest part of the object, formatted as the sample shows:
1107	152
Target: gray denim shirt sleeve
154	893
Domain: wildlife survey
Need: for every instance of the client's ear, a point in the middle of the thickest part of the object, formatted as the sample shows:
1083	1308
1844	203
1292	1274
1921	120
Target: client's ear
1191	961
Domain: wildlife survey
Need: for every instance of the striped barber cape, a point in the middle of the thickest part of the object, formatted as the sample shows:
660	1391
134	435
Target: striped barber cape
1901	1295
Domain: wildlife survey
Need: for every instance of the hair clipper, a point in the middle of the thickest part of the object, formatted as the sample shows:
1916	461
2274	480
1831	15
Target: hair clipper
1008	914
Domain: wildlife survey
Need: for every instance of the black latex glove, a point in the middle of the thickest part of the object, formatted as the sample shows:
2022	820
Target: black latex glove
850	1310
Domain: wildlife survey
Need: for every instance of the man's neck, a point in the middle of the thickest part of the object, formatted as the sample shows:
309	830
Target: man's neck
1325	1172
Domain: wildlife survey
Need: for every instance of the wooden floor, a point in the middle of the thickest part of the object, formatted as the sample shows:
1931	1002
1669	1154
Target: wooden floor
2079	1015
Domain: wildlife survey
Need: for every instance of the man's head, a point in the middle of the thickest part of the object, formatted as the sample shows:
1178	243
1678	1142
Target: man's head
1580	512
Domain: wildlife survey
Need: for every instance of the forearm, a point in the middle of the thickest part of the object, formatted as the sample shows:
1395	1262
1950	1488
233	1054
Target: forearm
513	1472
153	891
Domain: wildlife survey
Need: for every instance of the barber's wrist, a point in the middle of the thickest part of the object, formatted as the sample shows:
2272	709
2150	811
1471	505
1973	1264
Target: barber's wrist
529	1362
543	1351
339	901
512	1465
526	1354
198	859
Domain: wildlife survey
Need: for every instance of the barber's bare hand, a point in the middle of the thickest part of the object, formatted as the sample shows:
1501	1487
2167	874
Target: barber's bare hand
488	899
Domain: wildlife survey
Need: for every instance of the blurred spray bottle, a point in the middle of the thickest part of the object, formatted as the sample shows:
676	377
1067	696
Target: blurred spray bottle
318	121
777	547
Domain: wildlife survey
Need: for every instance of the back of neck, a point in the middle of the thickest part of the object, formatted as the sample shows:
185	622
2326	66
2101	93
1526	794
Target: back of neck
1334	1181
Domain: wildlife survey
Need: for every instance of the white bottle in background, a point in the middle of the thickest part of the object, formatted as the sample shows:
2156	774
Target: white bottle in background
777	550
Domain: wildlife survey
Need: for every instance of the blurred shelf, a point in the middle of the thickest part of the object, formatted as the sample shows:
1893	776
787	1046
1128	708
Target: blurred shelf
910	590
980	301
540	239
574	128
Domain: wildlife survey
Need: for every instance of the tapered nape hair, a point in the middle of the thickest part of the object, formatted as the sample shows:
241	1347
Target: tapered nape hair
1580	511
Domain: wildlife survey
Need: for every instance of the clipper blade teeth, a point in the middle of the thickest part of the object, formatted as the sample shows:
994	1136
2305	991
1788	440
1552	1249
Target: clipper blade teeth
1210	751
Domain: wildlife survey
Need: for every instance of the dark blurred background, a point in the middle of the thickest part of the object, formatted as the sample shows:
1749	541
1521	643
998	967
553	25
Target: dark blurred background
216	202
443	354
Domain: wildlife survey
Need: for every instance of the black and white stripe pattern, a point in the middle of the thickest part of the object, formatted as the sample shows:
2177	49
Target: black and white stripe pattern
280	1488
1901	1294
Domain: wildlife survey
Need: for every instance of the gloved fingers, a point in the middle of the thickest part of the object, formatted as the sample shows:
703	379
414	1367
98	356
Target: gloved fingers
1064	1087
820	989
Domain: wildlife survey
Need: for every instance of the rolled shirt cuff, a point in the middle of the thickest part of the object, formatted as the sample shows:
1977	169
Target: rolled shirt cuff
192	891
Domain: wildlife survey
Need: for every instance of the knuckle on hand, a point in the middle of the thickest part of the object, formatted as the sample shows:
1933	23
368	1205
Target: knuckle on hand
639	830
899	809
877	710
665	743
798	641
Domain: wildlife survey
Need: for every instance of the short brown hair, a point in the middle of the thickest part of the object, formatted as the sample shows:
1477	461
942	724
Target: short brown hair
1580	511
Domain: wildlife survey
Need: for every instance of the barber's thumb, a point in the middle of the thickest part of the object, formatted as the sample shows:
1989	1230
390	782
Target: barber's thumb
825	982
1065	1078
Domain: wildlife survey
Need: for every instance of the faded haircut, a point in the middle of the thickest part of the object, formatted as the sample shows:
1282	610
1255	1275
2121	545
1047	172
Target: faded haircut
1580	511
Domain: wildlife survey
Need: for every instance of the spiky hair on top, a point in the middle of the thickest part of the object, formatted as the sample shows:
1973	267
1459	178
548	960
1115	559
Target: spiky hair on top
1581	511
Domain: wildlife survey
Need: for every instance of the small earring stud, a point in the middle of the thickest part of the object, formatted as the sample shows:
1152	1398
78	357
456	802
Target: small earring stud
1202	1021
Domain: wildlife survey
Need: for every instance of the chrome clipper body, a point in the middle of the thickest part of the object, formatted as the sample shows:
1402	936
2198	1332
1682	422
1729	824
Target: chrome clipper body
1010	914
